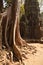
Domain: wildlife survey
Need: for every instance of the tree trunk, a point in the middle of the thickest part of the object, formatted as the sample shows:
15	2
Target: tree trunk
1	5
12	32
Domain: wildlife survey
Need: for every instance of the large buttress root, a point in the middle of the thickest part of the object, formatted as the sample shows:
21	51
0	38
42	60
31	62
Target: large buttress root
12	36
18	38
5	34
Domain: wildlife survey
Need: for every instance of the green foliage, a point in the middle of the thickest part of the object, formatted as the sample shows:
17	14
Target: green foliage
42	13
8	1
22	10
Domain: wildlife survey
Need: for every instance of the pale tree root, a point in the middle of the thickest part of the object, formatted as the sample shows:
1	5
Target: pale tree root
12	44
15	48
18	38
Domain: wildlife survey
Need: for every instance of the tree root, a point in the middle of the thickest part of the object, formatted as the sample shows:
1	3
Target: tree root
12	35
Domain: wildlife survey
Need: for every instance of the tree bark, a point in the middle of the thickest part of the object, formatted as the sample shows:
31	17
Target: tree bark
1	5
12	33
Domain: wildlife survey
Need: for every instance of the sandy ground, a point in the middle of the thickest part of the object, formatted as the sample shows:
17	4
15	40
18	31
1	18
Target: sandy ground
36	58
31	54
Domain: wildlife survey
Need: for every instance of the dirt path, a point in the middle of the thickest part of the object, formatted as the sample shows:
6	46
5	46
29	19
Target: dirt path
37	58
